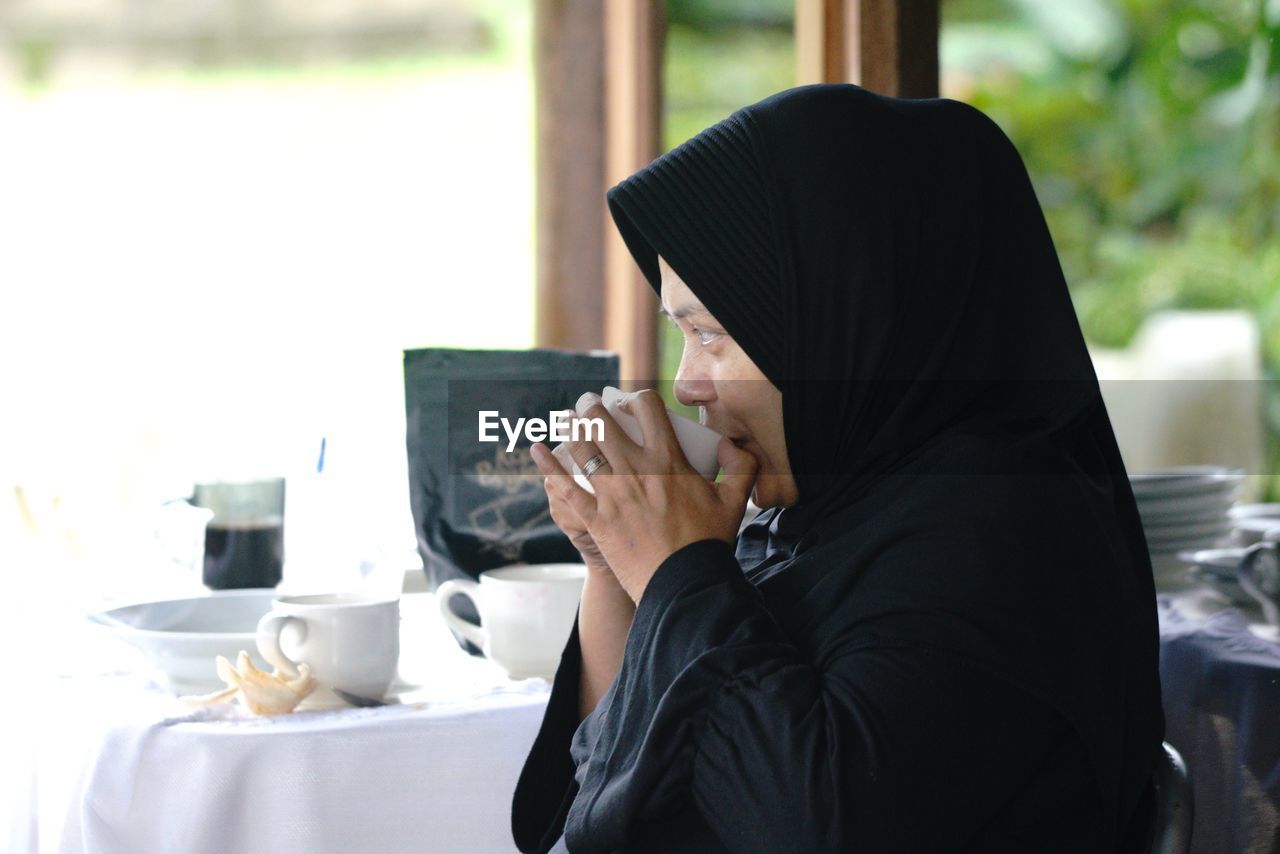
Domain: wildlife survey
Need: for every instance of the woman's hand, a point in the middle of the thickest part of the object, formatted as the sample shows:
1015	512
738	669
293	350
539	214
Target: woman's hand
567	519
606	610
649	502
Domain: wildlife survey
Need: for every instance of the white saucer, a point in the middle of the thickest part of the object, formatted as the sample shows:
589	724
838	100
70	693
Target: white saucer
323	697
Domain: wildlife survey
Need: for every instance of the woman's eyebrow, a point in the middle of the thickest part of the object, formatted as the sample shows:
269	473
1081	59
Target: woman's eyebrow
684	310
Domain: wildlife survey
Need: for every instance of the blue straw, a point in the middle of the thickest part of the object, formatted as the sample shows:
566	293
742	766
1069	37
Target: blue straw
320	461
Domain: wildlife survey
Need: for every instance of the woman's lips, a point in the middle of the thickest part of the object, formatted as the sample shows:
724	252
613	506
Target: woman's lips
741	441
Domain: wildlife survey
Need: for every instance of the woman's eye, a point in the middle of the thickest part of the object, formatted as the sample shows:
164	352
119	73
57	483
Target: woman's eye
704	336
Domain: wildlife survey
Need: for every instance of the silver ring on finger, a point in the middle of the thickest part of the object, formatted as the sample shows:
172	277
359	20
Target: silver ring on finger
592	465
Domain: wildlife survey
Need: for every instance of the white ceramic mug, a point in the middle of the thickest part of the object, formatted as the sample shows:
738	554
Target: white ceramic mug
526	614
350	641
699	443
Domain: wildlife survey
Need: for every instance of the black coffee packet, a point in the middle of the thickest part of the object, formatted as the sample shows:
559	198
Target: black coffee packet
476	495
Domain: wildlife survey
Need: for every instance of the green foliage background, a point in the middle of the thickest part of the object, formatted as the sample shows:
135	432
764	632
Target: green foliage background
1152	131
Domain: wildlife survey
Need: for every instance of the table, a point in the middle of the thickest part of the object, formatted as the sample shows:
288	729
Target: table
1221	684
117	766
109	763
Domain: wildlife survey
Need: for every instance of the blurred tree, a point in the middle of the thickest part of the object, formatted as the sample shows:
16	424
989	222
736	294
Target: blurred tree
709	16
1151	129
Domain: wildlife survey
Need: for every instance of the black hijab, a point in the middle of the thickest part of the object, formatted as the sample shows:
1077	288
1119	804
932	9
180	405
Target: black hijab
886	265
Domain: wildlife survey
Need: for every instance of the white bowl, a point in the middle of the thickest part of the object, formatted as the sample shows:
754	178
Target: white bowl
183	637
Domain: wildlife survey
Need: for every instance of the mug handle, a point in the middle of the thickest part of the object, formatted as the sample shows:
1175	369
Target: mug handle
462	587
269	628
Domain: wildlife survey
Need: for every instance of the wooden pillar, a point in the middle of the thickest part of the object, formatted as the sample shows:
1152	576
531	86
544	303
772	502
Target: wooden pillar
826	38
568	37
634	35
887	46
898	47
597	71
597	76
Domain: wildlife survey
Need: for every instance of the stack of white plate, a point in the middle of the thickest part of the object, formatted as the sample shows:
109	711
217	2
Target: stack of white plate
1183	509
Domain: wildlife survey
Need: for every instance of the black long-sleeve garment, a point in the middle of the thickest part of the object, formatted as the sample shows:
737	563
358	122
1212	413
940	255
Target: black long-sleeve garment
842	717
949	644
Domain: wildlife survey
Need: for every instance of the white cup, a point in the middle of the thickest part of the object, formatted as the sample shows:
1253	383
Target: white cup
526	614
698	442
350	641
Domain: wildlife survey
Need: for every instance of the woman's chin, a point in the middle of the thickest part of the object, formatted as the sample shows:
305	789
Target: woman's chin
772	491
761	496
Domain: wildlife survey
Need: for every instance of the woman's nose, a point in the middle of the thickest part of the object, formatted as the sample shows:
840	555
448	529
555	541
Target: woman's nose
693	389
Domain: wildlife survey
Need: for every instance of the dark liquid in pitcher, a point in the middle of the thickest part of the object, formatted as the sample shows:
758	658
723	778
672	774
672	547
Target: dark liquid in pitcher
247	555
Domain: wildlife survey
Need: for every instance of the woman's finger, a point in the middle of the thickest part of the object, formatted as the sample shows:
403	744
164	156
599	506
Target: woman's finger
580	451
647	407
740	470
545	460
562	484
611	442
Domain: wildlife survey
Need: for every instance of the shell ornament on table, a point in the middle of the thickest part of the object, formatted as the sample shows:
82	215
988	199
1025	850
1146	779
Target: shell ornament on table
260	692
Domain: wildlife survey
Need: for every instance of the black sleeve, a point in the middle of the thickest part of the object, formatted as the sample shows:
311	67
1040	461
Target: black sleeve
854	743
547	786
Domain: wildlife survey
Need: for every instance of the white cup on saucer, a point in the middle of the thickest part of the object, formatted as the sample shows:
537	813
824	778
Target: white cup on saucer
698	442
526	614
350	641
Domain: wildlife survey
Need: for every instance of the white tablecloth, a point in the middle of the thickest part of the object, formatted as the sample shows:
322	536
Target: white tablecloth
112	764
109	763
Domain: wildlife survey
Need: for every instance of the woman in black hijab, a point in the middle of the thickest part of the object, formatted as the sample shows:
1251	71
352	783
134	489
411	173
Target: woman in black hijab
944	637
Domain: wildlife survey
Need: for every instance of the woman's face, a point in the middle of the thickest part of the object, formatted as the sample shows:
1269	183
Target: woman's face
733	396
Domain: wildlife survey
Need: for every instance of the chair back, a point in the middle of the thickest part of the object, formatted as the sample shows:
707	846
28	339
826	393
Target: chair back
1175	809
